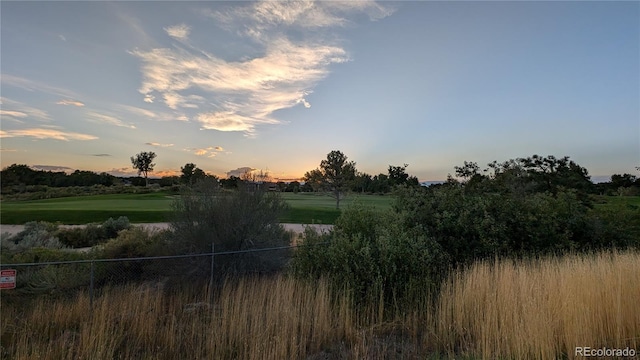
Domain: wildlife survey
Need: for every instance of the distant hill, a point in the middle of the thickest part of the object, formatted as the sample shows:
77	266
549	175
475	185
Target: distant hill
429	183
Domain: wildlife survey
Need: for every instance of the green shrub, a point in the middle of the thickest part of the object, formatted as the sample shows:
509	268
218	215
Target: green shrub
39	255
373	256
73	237
36	234
92	234
112	226
233	220
38	279
617	224
134	242
471	225
80	237
51	279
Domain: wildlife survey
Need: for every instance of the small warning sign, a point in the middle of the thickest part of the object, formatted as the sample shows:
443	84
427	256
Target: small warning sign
8	279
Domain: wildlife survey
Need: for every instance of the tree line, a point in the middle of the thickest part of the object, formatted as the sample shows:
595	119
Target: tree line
337	176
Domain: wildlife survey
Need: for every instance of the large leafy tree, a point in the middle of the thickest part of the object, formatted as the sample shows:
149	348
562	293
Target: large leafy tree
534	174
143	162
335	174
398	176
191	174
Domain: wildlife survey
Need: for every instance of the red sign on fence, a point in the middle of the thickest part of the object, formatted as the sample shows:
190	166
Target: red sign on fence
7	279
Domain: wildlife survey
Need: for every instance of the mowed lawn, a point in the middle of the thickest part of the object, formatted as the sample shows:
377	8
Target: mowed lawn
312	208
152	207
305	208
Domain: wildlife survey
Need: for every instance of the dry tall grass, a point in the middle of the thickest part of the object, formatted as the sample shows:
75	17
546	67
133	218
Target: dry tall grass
536	309
542	309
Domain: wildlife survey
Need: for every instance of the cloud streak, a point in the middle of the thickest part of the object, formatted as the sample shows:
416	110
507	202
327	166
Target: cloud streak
153	115
246	93
40	133
31	85
180	32
243	94
240	171
108	119
17	111
209	152
70	102
54	168
158	144
257	19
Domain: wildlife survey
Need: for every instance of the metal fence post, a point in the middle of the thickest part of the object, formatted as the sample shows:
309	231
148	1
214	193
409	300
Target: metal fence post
91	285
211	274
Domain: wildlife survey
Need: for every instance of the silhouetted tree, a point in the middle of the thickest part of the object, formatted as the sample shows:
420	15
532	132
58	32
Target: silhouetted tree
336	175
143	162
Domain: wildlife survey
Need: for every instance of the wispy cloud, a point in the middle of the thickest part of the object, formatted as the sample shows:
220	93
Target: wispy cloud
244	94
54	168
70	102
108	119
18	111
134	25
124	171
101	155
240	171
39	133
8	150
140	111
163	173
180	32
258	18
130	172
62	37
281	79
210	151
154	115
175	100
12	115
31	85
158	144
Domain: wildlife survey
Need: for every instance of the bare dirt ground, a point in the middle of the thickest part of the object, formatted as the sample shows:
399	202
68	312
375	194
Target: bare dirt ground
298	228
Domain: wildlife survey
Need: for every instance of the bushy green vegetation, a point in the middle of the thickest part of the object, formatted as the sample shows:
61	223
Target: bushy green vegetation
238	220
35	235
40	234
93	234
525	208
373	256
14	178
114	239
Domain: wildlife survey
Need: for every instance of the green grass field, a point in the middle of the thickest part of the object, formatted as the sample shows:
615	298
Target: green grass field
305	208
310	208
601	200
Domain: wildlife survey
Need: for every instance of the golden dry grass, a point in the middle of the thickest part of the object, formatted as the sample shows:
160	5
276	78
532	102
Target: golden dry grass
542	309
521	310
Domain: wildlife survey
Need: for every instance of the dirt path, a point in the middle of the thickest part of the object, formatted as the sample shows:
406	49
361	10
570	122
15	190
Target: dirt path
299	228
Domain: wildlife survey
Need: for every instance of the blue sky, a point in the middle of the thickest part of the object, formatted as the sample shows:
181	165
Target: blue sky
277	85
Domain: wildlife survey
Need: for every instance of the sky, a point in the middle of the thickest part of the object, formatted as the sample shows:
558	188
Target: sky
276	85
